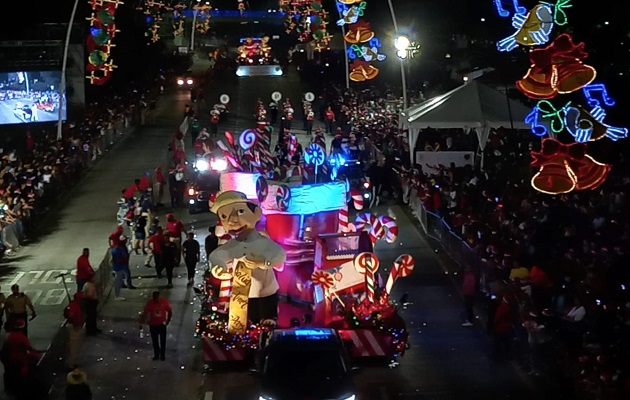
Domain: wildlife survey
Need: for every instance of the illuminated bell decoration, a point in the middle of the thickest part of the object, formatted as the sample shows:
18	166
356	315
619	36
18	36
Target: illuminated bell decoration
564	168
361	71
360	32
556	69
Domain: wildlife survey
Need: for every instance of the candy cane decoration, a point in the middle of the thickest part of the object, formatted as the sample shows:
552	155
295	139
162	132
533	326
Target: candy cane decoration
262	189
225	285
402	267
357	199
367	263
283	197
248	139
376	231
342	218
391	228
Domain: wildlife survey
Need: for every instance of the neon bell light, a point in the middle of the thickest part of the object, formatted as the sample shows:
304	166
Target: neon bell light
534	27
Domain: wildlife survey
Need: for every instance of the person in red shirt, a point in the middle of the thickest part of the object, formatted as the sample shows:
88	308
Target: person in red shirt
503	330
329	116
157	314
175	229
84	269
156	245
17	353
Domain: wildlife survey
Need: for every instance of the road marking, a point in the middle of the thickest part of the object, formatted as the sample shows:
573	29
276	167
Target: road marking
208	396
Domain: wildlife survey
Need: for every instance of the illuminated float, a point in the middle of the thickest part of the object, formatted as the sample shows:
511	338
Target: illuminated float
330	271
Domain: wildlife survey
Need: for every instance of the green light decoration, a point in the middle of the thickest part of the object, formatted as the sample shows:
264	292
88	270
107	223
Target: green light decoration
549	111
101	37
105	16
97	58
559	15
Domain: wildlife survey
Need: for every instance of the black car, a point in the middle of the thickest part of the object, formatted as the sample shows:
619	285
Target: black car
306	363
201	188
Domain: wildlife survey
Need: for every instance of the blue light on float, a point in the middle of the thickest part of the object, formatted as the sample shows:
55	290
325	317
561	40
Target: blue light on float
308	199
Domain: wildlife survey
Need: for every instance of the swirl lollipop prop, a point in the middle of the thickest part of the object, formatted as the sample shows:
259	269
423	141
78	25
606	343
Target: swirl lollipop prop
262	189
315	155
402	267
248	138
368	264
326	281
225	285
283	197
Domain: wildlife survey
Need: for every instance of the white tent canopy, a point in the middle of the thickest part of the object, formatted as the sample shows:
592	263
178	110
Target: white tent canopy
472	105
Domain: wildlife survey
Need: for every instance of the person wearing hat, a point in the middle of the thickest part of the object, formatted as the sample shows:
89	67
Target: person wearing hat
78	387
238	216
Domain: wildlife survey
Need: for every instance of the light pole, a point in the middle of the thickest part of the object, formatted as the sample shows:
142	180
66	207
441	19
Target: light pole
399	41
194	22
64	65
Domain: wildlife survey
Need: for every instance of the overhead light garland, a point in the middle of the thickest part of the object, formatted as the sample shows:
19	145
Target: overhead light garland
308	19
363	46
153	10
100	40
557	69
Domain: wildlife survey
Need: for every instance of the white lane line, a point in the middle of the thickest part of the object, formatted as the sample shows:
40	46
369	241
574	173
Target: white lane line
208	396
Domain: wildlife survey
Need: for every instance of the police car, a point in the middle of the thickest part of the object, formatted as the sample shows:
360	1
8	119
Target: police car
305	363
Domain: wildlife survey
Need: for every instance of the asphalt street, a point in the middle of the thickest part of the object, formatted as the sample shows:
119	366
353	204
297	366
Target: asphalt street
445	360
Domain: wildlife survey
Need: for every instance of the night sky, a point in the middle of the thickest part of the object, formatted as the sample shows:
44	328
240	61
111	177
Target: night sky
432	23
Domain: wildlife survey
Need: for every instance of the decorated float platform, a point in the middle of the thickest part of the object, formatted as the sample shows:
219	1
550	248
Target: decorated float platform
330	273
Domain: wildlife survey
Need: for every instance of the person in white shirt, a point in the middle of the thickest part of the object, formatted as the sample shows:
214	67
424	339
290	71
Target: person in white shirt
238	216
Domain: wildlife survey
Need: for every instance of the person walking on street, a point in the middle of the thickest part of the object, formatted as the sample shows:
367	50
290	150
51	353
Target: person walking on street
329	116
211	242
468	291
120	265
15	308
156	246
159	186
192	255
90	299
169	261
78	387
175	229
84	269
157	314
74	324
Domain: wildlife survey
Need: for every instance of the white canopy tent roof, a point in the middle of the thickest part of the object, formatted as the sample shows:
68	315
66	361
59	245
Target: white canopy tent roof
472	105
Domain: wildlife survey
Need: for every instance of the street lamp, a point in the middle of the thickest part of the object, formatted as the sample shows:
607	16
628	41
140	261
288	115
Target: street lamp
194	22
401	43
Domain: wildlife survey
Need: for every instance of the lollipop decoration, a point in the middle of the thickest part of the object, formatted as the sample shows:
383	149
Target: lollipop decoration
248	138
314	155
262	189
283	197
367	263
402	267
326	281
225	286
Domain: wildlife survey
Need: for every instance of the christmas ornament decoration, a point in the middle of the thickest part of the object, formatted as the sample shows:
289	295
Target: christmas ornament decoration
566	167
556	68
308	20
247	139
100	40
534	27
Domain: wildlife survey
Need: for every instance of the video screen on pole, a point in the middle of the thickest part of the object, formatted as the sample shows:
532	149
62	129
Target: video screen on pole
30	97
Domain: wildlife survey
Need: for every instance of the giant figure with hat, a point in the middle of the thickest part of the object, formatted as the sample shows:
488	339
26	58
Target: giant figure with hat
250	258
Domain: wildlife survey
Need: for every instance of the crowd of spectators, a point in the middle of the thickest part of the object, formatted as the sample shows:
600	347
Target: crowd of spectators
561	262
35	170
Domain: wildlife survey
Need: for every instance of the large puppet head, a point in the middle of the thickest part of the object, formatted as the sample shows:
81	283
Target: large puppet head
238	214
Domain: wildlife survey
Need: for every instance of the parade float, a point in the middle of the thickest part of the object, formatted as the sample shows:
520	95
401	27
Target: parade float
330	275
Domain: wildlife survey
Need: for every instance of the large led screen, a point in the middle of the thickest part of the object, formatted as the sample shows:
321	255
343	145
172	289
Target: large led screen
30	97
